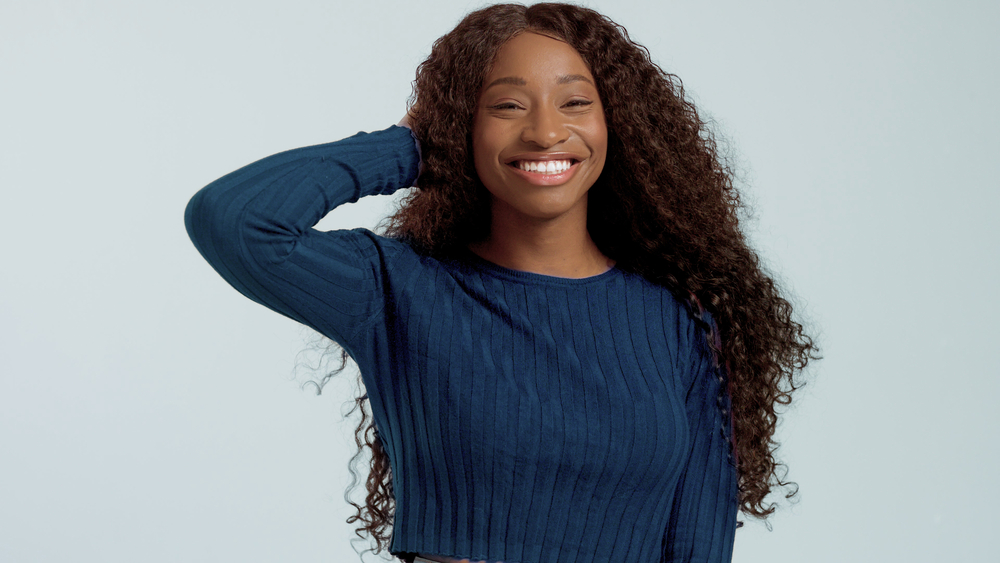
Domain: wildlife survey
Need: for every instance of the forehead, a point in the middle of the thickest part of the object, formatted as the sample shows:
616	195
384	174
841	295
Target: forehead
536	57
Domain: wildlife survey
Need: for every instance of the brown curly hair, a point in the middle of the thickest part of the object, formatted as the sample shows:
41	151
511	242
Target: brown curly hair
665	207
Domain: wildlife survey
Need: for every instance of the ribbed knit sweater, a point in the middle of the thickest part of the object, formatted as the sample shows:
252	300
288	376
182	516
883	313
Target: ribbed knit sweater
527	418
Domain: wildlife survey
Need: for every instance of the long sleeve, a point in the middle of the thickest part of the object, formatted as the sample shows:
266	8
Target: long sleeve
526	417
254	226
703	518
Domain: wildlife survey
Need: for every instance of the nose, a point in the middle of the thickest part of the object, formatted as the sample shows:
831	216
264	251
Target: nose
544	127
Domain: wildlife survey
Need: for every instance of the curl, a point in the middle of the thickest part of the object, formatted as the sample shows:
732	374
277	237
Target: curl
665	207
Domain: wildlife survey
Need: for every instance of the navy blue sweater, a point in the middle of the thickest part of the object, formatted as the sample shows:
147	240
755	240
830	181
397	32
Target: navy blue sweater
527	418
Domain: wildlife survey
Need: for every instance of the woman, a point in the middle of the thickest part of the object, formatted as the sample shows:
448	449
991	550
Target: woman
553	332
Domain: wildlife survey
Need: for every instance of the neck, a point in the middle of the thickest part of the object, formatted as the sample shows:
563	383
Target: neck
559	247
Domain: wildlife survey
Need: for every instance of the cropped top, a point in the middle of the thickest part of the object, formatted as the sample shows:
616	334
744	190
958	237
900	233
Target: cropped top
527	418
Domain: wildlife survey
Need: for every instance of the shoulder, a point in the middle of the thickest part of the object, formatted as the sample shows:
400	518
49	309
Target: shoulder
382	252
394	260
660	300
683	323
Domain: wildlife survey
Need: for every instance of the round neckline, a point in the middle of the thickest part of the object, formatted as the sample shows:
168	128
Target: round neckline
497	270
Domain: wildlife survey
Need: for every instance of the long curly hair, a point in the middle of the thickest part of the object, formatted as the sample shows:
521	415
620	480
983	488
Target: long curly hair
664	207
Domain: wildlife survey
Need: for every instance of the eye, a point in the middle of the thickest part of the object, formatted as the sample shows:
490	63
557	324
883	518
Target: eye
505	106
578	103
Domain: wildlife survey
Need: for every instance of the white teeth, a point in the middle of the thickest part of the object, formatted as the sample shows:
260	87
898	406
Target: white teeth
544	166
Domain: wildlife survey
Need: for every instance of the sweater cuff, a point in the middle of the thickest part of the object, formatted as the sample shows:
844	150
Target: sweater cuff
389	160
420	153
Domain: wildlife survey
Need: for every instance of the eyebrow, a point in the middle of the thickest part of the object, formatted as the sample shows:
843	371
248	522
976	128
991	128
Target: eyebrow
513	80
573	78
518	81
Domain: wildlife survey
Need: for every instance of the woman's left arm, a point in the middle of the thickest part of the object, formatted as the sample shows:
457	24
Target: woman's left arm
702	525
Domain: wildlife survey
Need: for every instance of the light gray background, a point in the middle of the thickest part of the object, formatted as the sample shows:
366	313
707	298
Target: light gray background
148	412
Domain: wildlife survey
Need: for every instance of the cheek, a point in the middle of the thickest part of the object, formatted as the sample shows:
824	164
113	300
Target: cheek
480	144
482	161
595	134
601	130
601	140
487	143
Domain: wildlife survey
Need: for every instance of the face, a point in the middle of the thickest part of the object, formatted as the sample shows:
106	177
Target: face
539	138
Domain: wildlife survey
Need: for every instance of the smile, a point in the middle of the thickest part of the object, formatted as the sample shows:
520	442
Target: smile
543	166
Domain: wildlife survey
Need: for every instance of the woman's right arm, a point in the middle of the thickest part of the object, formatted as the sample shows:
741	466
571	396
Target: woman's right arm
254	226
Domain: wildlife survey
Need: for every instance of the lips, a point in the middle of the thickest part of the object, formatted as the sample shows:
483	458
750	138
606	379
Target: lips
552	172
544	166
545	163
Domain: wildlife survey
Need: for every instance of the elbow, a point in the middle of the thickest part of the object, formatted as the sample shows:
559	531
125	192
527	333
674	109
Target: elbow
194	214
226	231
212	224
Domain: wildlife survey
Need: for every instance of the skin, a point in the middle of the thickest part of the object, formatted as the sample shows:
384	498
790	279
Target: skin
539	102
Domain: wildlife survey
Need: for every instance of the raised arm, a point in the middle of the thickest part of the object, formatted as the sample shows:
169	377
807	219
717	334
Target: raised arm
703	518
254	226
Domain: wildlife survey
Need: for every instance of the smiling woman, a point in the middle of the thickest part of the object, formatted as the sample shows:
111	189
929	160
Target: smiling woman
570	353
539	143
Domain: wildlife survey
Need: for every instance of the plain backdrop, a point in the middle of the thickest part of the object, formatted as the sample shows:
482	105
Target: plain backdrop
148	412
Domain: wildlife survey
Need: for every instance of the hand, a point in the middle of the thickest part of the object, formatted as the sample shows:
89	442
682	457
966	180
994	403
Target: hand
406	121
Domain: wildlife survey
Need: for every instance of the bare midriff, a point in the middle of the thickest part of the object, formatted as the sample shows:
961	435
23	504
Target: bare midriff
442	559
